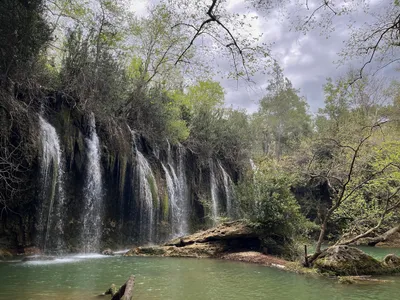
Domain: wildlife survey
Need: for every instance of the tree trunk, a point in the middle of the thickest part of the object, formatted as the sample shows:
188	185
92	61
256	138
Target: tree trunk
383	237
321	237
126	291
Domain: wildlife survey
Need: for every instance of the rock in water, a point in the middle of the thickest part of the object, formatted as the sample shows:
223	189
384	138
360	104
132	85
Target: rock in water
5	254
107	251
391	261
345	260
225	238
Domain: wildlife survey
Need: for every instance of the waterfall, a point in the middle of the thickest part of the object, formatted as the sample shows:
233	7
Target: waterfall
253	165
177	195
184	199
148	194
172	197
93	192
169	154
214	193
177	192
51	227
229	192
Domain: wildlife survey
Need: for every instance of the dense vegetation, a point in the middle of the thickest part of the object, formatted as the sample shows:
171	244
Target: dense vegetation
333	175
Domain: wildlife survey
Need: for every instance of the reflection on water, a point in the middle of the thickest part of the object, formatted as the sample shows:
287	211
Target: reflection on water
85	276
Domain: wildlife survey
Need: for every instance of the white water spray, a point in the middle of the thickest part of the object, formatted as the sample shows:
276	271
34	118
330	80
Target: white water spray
214	193
229	192
51	226
93	193
177	197
148	195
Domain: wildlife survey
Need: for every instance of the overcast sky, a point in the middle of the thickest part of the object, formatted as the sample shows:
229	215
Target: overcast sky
307	60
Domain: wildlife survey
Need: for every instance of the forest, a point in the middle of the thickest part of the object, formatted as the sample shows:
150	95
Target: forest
115	131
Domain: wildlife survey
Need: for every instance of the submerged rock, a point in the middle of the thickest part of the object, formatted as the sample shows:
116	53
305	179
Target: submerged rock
107	251
226	237
345	260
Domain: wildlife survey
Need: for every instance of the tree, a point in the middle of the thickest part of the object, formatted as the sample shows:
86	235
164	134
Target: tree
283	115
24	32
342	157
204	101
155	44
228	33
378	201
265	198
152	48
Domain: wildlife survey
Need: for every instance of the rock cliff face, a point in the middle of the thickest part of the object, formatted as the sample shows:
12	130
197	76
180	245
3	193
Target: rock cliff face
141	193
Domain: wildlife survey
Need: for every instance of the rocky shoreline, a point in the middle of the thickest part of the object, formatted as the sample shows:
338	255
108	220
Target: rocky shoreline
238	241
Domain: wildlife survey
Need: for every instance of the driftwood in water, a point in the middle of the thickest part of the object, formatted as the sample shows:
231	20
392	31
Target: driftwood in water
126	291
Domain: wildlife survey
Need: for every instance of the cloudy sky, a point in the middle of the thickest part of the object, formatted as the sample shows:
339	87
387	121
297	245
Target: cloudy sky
307	59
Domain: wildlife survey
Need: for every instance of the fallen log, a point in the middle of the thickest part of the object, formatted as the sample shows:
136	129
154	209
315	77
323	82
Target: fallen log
125	292
361	279
383	237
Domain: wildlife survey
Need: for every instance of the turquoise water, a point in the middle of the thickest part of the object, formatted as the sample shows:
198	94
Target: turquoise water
84	277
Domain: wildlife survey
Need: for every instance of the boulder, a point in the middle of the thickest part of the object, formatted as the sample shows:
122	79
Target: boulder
146	251
226	237
235	230
391	261
5	254
32	251
107	251
345	260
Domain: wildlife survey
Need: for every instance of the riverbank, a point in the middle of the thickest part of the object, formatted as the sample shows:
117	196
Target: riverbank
239	241
166	278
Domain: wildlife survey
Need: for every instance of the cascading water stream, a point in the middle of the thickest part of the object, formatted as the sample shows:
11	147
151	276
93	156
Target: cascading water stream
253	165
214	193
148	195
229	193
177	192
93	193
171	187
51	227
183	192
178	199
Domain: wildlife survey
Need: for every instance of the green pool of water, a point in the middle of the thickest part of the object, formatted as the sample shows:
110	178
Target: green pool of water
84	277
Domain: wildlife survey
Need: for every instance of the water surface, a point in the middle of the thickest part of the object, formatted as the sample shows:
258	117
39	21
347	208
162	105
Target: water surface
84	277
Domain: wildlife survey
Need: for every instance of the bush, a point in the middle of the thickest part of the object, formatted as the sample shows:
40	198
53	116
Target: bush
265	198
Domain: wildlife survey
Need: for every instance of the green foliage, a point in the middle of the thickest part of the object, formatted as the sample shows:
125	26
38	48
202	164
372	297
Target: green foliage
282	120
23	34
378	200
157	116
94	78
266	198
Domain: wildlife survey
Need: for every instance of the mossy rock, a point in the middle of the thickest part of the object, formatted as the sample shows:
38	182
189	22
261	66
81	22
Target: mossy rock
345	260
144	251
5	254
